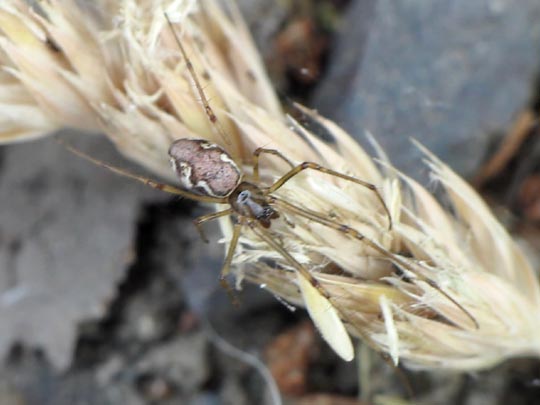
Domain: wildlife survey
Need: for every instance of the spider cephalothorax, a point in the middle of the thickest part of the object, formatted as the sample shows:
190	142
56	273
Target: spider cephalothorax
249	201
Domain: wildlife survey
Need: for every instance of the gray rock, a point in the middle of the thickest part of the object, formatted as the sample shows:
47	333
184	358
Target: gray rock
182	361
447	73
264	19
65	240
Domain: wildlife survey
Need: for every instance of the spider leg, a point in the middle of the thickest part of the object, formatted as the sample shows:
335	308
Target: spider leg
347	230
317	299
230	253
209	217
227	264
145	180
256	155
314	166
212	117
282	251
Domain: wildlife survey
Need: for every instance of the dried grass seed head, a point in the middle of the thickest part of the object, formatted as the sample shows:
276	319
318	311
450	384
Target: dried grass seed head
124	75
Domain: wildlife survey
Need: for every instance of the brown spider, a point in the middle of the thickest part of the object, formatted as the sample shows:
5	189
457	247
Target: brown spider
209	174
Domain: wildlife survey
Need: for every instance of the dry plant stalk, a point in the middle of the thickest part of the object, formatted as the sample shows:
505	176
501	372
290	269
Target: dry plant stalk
113	66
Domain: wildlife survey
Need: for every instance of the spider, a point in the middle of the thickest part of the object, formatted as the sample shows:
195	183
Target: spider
209	174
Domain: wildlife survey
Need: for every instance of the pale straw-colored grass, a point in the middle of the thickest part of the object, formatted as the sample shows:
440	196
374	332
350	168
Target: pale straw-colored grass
113	66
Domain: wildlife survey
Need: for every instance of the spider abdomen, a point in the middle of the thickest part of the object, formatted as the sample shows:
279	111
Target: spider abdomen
204	168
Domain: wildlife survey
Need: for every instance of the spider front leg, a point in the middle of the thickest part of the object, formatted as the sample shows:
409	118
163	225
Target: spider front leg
209	217
314	166
256	155
347	230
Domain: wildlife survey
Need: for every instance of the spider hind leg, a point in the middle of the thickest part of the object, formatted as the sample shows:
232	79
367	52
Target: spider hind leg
316	167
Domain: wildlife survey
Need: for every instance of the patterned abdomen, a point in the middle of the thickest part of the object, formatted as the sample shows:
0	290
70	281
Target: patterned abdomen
204	168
